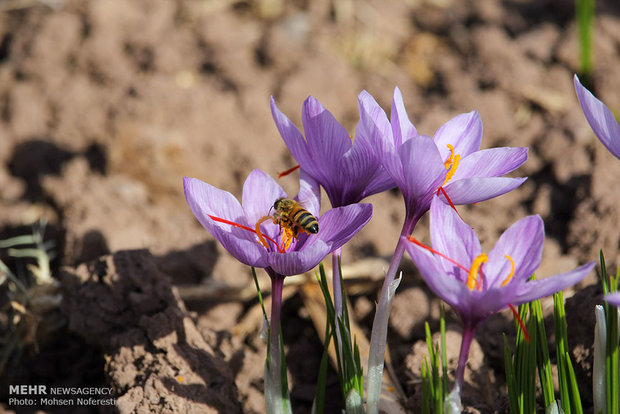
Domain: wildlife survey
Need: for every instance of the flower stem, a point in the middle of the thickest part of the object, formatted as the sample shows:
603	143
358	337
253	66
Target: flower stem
468	336
378	336
336	255
337	291
276	392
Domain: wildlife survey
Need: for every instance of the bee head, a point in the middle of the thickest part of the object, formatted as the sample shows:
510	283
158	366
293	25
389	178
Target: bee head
276	205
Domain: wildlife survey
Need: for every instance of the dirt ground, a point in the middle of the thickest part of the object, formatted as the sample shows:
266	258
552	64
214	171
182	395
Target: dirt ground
106	105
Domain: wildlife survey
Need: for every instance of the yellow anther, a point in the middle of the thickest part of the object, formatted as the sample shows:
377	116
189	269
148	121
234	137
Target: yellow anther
259	233
448	162
287	238
451	164
472	278
512	270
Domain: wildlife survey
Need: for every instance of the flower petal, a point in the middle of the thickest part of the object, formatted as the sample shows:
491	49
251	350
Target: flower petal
374	124
297	262
423	171
402	127
260	191
309	193
293	139
338	225
361	174
489	301
523	242
600	118
327	139
536	289
453	237
205	200
452	291
381	181
476	189
493	162
613	298
464	132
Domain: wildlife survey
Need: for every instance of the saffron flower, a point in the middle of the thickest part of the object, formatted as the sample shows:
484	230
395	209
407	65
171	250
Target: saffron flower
600	118
450	165
477	284
256	242
348	170
233	223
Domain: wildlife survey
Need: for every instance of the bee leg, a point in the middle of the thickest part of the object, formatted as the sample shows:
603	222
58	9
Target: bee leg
259	233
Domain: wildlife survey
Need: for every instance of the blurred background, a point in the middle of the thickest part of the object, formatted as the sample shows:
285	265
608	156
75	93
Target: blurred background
106	105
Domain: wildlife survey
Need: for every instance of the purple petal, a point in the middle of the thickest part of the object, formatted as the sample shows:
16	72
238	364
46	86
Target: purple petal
452	291
490	301
381	181
205	200
423	171
260	191
309	193
297	262
600	118
358	166
327	139
523	242
374	124
293	139
464	132
453	237
361	174
493	162
537	289
402	127
613	298
337	226
474	190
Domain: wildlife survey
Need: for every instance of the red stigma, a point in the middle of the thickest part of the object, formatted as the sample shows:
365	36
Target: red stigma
287	172
430	249
442	191
520	322
241	226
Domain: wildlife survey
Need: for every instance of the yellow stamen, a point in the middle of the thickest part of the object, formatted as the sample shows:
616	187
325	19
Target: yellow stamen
259	233
512	271
451	164
472	279
448	162
287	238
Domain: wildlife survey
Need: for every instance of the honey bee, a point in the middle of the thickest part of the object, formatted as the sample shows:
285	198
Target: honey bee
293	218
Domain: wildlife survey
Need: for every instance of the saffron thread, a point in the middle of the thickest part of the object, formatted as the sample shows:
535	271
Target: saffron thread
287	172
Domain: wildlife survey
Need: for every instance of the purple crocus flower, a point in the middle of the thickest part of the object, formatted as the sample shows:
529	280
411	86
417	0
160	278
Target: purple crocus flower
450	164
260	191
477	285
600	118
348	171
234	225
451	160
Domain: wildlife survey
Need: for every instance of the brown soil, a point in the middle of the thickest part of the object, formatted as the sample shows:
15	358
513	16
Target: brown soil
105	105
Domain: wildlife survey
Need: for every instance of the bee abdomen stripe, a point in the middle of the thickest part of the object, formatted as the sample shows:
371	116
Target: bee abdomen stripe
305	219
297	213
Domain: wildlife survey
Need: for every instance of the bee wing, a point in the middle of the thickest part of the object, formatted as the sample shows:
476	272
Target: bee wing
309	196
